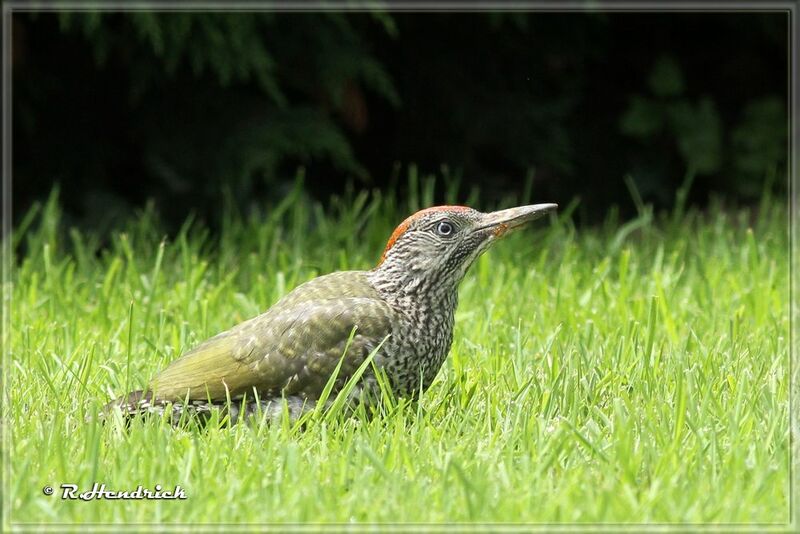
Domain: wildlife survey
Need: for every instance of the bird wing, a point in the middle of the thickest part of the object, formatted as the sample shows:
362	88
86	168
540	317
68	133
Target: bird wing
291	349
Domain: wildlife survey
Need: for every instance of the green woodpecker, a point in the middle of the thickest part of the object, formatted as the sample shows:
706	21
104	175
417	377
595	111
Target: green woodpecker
403	309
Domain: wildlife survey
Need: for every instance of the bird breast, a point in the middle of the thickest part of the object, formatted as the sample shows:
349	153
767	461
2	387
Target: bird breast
421	340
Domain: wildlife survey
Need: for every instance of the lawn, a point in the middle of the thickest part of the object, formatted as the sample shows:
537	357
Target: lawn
633	371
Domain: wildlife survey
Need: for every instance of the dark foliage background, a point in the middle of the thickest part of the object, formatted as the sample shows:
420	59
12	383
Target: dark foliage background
196	109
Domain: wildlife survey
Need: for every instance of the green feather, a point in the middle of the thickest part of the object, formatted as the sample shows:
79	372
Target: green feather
293	348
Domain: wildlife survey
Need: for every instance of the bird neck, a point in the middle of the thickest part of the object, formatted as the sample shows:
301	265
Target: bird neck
403	284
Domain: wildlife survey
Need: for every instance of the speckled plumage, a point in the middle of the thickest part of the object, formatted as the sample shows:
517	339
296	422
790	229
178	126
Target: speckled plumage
285	356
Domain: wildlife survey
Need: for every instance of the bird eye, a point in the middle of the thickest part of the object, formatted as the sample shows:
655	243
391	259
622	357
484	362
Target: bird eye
444	228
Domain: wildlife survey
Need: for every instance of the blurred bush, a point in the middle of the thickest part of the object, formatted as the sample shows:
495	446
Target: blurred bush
758	140
193	108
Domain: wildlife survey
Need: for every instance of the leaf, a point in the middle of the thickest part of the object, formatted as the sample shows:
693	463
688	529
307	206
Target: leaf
666	78
760	138
643	118
698	130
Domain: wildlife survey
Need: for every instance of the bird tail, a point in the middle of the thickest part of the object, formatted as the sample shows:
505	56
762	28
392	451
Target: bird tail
142	403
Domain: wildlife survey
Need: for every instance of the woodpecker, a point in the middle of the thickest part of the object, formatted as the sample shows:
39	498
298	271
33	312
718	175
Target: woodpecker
403	310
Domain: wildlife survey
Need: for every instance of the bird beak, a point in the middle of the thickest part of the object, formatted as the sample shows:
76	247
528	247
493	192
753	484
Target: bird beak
505	220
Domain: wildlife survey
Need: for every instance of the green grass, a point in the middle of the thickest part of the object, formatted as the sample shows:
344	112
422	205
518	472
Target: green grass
632	372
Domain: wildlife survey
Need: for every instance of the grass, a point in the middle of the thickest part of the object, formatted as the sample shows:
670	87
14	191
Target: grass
632	372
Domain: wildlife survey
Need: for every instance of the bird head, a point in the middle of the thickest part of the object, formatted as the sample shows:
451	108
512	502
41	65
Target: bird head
439	244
